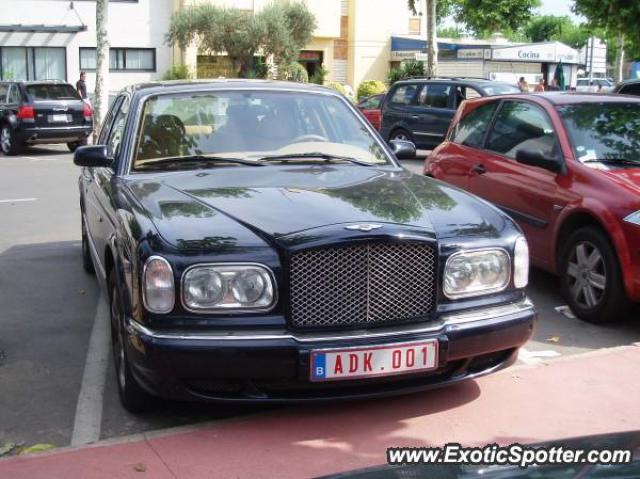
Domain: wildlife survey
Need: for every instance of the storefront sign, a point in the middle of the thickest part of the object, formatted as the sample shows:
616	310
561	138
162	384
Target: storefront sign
471	54
544	53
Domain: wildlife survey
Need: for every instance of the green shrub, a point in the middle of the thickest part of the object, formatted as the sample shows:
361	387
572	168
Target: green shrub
371	87
319	76
293	72
396	74
407	70
337	87
177	72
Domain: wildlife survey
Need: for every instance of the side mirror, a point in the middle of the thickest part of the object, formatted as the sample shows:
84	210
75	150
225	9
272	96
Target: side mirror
92	156
404	150
536	158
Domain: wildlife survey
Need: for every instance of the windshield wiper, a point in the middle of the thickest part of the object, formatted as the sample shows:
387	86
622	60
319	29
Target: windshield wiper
612	161
292	157
191	159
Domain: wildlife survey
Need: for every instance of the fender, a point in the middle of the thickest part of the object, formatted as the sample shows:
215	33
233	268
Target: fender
610	224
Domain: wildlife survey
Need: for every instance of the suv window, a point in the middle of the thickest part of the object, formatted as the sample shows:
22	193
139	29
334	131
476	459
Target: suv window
434	95
404	95
3	92
54	91
521	125
583	82
470	131
14	95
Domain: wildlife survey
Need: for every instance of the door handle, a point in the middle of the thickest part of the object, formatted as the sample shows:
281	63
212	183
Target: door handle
415	117
479	169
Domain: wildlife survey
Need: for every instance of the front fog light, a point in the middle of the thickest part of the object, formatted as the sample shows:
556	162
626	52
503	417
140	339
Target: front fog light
472	273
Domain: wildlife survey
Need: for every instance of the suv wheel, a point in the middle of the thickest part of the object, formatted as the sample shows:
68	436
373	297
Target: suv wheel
8	142
591	277
401	134
132	396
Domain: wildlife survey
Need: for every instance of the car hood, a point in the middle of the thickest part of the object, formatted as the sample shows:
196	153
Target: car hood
626	178
277	201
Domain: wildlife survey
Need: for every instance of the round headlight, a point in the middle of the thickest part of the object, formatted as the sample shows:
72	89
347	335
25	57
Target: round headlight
248	287
204	288
472	273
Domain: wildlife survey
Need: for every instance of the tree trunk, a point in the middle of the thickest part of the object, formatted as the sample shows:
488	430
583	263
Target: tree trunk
620	58
102	65
432	41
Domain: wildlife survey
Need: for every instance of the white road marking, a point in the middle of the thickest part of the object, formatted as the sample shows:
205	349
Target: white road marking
18	200
88	419
535	357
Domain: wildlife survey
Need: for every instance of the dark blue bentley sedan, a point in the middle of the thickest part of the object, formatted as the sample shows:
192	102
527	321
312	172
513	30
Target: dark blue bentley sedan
260	242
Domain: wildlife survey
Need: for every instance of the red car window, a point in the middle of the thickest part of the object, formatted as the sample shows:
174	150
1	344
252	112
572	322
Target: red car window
471	130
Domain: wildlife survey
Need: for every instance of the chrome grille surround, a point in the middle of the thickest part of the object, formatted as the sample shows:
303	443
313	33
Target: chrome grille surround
363	285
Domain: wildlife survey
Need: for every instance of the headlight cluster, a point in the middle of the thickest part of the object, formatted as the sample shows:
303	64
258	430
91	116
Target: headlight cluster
227	287
470	273
158	291
633	218
473	273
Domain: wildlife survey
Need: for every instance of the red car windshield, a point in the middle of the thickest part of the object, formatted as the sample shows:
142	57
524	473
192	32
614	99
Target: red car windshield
604	132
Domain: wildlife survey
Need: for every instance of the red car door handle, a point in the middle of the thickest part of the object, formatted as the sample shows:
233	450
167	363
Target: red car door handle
479	169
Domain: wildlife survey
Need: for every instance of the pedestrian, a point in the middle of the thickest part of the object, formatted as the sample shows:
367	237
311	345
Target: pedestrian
523	85
554	86
540	86
81	86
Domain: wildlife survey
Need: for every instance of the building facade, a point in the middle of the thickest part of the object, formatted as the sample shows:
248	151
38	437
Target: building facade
352	39
56	39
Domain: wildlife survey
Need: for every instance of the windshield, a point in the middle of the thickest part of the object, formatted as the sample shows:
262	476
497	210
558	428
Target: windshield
252	126
500	90
604	131
53	92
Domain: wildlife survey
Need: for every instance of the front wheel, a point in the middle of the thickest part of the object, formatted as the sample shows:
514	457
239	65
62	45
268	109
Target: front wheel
8	142
132	396
591	277
401	135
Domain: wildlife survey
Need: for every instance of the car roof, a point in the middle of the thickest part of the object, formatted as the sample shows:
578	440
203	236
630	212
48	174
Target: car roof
465	81
181	86
564	98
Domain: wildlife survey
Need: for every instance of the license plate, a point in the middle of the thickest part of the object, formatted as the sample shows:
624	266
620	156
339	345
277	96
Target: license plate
384	360
58	118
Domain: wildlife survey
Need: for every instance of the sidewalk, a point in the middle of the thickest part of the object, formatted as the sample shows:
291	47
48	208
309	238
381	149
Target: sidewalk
586	394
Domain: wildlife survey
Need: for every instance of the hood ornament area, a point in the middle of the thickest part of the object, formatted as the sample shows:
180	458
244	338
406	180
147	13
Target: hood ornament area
364	227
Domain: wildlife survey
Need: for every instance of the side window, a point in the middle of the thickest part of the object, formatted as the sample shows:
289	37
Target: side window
433	95
108	121
372	103
472	93
471	130
521	125
114	141
404	95
3	92
14	95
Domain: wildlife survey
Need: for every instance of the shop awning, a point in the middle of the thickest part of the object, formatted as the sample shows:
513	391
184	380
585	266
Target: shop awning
404	44
43	28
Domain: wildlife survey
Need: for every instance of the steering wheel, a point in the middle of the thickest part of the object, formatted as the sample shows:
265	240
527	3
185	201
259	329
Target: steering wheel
309	137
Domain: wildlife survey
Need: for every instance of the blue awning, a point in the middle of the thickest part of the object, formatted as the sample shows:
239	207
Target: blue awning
403	44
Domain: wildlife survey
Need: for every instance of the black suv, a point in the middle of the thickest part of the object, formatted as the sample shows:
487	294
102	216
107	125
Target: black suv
42	112
420	110
628	87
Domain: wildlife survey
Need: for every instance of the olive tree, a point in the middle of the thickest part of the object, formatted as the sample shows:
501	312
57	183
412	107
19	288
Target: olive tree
279	30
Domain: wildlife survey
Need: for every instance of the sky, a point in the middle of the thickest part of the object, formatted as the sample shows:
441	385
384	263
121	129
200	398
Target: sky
557	7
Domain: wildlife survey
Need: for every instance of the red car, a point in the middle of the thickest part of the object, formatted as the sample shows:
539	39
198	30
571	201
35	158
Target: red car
566	167
371	109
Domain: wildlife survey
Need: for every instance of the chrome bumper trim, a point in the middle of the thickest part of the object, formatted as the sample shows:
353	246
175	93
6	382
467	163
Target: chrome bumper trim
445	321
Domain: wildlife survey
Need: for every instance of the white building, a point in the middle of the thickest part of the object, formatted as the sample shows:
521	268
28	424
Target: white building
56	39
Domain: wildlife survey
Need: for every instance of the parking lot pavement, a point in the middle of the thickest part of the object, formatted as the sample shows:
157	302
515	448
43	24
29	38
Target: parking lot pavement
49	307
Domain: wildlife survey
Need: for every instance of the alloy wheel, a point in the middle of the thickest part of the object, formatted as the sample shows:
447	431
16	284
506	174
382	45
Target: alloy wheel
5	139
587	275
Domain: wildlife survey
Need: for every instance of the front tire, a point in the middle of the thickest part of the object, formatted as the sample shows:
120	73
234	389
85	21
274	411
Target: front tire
8	142
591	277
132	396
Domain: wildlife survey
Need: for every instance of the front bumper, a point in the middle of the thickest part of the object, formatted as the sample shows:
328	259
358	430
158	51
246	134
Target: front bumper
68	134
274	367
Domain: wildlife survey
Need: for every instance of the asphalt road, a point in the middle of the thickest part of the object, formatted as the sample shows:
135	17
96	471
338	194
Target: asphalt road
48	307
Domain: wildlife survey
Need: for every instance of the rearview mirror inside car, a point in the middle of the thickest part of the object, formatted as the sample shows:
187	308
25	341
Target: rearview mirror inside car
404	150
537	158
92	156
